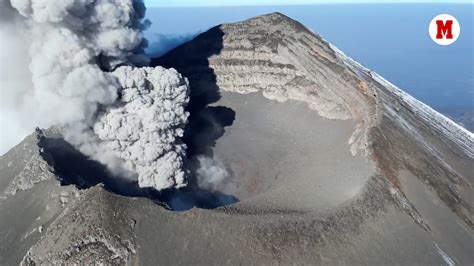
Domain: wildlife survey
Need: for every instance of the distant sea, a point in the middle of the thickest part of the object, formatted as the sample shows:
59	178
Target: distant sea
391	39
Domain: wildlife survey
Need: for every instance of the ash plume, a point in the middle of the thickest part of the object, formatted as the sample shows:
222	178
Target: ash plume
211	173
145	128
76	64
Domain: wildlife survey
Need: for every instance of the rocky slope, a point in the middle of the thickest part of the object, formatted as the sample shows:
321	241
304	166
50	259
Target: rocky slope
331	164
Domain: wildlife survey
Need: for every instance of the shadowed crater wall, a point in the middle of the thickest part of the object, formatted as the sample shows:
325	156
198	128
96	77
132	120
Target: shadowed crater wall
206	123
74	168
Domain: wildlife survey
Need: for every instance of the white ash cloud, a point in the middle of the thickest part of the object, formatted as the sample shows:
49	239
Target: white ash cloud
57	56
14	77
145	127
211	173
56	50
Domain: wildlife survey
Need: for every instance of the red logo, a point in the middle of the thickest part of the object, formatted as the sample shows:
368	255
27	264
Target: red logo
445	29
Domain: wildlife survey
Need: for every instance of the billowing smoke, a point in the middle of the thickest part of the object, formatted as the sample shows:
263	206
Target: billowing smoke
75	64
211	173
59	50
145	127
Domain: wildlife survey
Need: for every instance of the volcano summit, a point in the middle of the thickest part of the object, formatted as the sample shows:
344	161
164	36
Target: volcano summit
309	157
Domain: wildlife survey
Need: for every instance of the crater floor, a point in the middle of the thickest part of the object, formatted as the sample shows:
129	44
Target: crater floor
283	155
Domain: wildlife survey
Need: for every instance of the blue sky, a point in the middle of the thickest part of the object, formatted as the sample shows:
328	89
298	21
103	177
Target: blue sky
197	3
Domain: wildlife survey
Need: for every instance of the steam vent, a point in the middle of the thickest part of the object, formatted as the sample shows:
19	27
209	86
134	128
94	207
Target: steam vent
313	159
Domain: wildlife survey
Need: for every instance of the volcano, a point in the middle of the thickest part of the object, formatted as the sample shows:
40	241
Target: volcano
327	162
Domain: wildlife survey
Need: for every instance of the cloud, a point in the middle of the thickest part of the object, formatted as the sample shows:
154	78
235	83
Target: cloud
53	53
14	77
144	128
211	173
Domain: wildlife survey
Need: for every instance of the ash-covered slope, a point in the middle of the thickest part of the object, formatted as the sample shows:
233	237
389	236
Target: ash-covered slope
330	162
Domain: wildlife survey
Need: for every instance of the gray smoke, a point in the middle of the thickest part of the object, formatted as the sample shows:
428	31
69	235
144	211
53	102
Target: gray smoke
211	173
15	80
145	127
60	48
57	58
